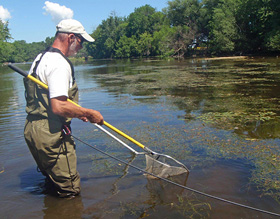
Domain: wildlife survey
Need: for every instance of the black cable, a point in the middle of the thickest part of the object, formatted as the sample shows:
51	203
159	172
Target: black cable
184	187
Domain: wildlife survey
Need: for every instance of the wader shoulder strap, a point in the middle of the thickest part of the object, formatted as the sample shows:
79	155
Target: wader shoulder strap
34	107
36	65
51	49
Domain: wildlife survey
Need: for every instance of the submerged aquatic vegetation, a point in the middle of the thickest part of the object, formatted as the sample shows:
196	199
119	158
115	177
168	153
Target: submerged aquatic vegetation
267	172
232	120
186	206
192	208
205	110
133	209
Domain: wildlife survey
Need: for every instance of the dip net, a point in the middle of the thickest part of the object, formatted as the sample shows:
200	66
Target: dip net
164	166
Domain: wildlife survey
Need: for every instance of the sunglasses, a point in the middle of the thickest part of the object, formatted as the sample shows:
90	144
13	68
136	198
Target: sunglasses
80	39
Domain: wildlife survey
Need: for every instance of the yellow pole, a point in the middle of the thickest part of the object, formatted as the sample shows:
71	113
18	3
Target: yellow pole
105	123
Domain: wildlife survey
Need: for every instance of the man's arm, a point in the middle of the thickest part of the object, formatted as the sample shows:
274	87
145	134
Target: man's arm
62	107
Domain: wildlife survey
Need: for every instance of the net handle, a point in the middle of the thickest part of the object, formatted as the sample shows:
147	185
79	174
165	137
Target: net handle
25	74
35	80
117	139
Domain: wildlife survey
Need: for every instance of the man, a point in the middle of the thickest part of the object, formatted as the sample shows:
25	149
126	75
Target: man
47	128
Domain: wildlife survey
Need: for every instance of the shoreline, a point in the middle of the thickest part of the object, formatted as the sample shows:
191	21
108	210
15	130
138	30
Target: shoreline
225	57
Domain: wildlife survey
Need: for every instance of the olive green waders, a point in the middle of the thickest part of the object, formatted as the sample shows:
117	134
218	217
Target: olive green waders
54	154
53	151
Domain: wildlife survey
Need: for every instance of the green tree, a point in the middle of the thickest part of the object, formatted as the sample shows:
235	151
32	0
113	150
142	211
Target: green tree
183	12
145	44
272	40
272	33
184	17
143	20
162	43
32	50
181	39
126	47
258	23
5	47
4	31
223	27
250	27
106	35
20	51
49	41
6	51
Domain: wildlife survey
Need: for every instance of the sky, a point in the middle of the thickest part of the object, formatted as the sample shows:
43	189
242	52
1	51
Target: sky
34	20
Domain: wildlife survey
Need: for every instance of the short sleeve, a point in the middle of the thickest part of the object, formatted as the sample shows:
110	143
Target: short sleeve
59	80
55	71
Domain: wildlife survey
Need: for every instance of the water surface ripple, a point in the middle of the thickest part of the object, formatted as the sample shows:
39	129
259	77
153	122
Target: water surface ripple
219	117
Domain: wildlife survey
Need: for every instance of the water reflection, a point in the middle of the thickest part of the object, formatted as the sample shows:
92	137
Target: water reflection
63	208
243	92
199	112
164	192
239	96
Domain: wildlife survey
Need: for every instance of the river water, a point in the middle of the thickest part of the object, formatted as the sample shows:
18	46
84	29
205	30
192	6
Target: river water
218	117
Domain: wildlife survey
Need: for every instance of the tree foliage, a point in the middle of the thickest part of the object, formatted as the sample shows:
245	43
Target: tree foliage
217	26
5	48
223	27
19	51
4	31
107	34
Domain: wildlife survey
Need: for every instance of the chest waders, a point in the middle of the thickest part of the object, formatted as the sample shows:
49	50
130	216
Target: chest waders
48	136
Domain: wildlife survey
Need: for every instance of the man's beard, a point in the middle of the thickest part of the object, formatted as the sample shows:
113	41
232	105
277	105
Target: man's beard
73	49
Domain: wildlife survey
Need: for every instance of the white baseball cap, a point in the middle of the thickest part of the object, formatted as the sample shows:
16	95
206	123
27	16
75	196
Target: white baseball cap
73	26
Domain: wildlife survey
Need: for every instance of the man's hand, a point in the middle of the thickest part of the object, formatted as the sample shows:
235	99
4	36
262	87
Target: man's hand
94	117
62	107
83	118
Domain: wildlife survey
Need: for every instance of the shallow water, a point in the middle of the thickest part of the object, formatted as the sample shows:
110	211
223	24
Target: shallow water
220	118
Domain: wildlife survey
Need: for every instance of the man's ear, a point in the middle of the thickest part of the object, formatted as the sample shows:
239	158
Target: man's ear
71	38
